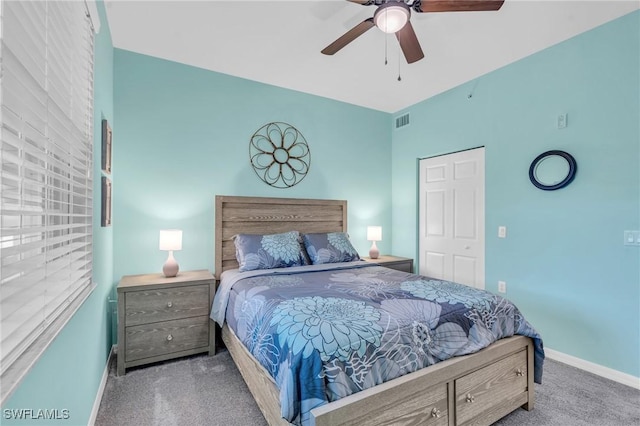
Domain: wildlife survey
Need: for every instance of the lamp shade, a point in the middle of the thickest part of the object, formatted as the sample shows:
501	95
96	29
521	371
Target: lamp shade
374	233
391	17
171	239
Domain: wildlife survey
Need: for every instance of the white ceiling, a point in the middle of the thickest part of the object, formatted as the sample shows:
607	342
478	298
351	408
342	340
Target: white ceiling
279	42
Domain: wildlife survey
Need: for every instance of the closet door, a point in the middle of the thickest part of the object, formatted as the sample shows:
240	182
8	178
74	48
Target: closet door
451	215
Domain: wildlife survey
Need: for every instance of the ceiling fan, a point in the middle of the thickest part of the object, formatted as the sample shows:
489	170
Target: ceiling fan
392	16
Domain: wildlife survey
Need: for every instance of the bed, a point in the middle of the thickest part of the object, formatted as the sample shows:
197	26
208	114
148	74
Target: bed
478	388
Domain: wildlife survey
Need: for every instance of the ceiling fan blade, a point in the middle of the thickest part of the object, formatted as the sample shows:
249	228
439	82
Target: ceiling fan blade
459	5
409	43
362	2
349	36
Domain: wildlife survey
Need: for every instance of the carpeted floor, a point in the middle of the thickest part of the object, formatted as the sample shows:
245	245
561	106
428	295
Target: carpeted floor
206	390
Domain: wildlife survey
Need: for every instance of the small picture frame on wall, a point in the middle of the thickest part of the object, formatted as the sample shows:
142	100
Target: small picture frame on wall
106	146
106	201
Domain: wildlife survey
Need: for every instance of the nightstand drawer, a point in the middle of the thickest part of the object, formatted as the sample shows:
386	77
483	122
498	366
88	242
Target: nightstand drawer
403	264
148	306
400	266
160	338
480	394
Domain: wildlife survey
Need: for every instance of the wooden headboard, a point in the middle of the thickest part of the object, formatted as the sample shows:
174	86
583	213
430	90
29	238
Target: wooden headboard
257	215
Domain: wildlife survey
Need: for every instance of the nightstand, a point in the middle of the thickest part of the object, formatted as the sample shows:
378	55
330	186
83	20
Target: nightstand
403	264
161	318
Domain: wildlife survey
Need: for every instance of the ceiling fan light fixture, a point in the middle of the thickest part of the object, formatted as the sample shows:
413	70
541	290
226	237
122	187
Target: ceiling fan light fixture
392	17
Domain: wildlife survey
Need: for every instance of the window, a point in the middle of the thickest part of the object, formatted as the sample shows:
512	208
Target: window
46	176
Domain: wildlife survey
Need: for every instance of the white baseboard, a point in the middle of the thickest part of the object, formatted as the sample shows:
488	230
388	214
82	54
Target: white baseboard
103	383
597	369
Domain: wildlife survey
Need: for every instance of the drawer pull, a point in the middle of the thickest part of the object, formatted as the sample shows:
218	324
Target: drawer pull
519	372
470	398
170	304
435	413
169	338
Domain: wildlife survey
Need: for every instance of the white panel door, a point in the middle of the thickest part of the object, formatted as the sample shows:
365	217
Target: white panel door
451	216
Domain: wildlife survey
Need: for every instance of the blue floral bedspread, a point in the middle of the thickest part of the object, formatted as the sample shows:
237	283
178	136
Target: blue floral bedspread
324	332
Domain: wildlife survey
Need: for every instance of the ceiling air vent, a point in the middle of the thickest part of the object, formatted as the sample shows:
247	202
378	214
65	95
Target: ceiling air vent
402	121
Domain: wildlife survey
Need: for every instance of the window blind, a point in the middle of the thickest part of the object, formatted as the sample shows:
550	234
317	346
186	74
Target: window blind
46	175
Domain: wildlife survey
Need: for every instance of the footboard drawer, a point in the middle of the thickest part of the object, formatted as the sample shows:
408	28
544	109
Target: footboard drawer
415	404
487	394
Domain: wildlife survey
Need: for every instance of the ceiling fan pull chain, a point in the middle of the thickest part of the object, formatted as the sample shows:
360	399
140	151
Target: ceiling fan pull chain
399	60
386	37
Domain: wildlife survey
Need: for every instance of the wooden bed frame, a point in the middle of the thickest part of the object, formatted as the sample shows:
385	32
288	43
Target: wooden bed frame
473	389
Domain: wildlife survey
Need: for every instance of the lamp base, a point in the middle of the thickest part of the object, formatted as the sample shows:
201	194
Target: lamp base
373	251
170	268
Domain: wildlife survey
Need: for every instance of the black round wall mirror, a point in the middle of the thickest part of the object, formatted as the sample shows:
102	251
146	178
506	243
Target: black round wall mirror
552	170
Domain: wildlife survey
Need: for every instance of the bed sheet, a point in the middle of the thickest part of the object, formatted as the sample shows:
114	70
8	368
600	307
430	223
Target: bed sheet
327	331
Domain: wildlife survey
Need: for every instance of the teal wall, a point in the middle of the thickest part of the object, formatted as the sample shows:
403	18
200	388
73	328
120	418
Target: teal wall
183	137
564	260
68	375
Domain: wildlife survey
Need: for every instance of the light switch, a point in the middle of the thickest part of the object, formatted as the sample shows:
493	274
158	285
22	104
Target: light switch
562	120
502	232
628	237
632	238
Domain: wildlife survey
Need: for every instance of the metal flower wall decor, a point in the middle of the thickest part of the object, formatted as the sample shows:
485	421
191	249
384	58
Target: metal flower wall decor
279	155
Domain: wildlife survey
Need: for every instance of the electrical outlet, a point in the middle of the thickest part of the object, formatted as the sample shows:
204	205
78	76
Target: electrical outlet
502	232
502	287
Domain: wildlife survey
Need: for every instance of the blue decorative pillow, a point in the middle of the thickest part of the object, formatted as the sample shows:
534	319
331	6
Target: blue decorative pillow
268	251
333	247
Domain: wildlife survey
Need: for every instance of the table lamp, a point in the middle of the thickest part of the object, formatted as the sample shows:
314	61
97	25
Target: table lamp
170	240
374	233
